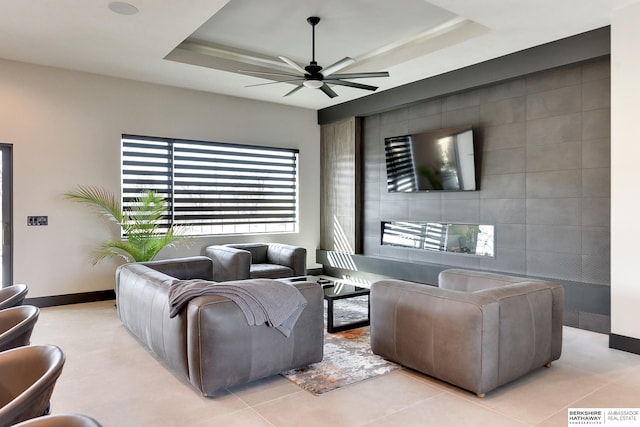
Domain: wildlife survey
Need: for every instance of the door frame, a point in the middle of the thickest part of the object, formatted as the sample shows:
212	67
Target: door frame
7	214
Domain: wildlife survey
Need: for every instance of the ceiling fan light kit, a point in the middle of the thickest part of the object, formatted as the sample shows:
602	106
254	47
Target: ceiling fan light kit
314	76
313	84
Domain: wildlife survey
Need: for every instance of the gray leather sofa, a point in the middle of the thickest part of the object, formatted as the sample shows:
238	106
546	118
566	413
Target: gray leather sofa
476	330
209	343
256	260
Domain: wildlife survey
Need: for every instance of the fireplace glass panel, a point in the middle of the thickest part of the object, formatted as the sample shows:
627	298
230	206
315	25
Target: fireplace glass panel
470	239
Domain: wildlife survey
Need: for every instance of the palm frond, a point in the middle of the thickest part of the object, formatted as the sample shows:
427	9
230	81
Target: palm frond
99	199
140	223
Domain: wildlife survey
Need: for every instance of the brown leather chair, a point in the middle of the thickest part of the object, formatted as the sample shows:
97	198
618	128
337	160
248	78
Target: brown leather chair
16	325
61	420
27	378
13	295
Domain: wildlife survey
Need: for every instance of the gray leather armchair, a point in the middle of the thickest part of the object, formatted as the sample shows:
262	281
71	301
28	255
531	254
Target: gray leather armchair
16	325
256	260
27	378
13	295
477	330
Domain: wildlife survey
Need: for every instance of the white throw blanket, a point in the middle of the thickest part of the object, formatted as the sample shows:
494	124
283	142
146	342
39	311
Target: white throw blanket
269	301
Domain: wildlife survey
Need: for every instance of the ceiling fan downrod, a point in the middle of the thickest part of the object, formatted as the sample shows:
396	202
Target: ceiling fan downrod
313	80
313	20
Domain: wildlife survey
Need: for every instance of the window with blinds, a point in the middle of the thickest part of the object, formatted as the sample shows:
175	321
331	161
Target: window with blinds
214	188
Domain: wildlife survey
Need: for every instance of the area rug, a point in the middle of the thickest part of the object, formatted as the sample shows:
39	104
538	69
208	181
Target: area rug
347	359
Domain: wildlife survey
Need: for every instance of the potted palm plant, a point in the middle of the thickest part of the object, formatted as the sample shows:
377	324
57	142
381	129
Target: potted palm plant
140	223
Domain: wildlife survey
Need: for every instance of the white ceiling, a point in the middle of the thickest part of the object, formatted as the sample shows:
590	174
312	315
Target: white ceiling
201	44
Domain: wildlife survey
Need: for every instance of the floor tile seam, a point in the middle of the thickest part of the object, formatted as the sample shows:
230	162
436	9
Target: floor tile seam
607	377
572	403
232	414
598	389
262	417
595	390
480	402
469	397
552	415
399	410
271	401
620	380
624	372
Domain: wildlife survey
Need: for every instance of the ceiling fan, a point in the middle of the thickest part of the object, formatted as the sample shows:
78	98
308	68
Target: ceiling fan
314	76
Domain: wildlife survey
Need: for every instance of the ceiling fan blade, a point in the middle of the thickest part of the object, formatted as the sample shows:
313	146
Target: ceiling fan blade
294	90
293	65
350	84
360	75
279	81
344	62
263	73
326	89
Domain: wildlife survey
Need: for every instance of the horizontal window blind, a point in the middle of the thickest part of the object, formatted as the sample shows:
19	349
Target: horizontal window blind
214	188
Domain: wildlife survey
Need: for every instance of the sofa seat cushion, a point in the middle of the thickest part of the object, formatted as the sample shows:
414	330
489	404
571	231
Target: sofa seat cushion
270	271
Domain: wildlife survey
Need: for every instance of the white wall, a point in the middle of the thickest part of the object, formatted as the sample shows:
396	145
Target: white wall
65	128
625	171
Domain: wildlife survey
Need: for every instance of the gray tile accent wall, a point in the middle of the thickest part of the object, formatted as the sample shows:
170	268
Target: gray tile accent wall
544	177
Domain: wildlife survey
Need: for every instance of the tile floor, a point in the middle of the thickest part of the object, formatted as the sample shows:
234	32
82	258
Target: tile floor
109	376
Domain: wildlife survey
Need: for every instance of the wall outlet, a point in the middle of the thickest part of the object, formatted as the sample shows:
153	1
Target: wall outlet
38	220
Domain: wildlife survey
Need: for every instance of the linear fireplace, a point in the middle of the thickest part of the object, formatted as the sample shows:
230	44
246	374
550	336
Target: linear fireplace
468	239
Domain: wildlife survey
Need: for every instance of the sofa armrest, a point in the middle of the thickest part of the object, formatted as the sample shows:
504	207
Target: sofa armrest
479	281
544	303
237	352
228	263
530	326
143	307
439	332
294	257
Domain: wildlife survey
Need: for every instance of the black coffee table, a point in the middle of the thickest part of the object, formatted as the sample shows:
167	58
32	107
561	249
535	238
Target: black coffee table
335	291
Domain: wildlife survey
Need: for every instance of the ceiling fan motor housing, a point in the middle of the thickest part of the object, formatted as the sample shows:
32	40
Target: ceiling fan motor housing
314	70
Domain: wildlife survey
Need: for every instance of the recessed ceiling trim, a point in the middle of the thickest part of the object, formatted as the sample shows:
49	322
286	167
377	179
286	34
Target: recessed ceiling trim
224	52
451	25
232	59
448	34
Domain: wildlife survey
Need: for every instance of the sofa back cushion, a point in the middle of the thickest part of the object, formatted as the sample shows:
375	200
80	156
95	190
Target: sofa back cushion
258	251
471	281
143	307
196	267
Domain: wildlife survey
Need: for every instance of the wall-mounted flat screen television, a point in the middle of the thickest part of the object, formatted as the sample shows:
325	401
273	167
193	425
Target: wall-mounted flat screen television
439	160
